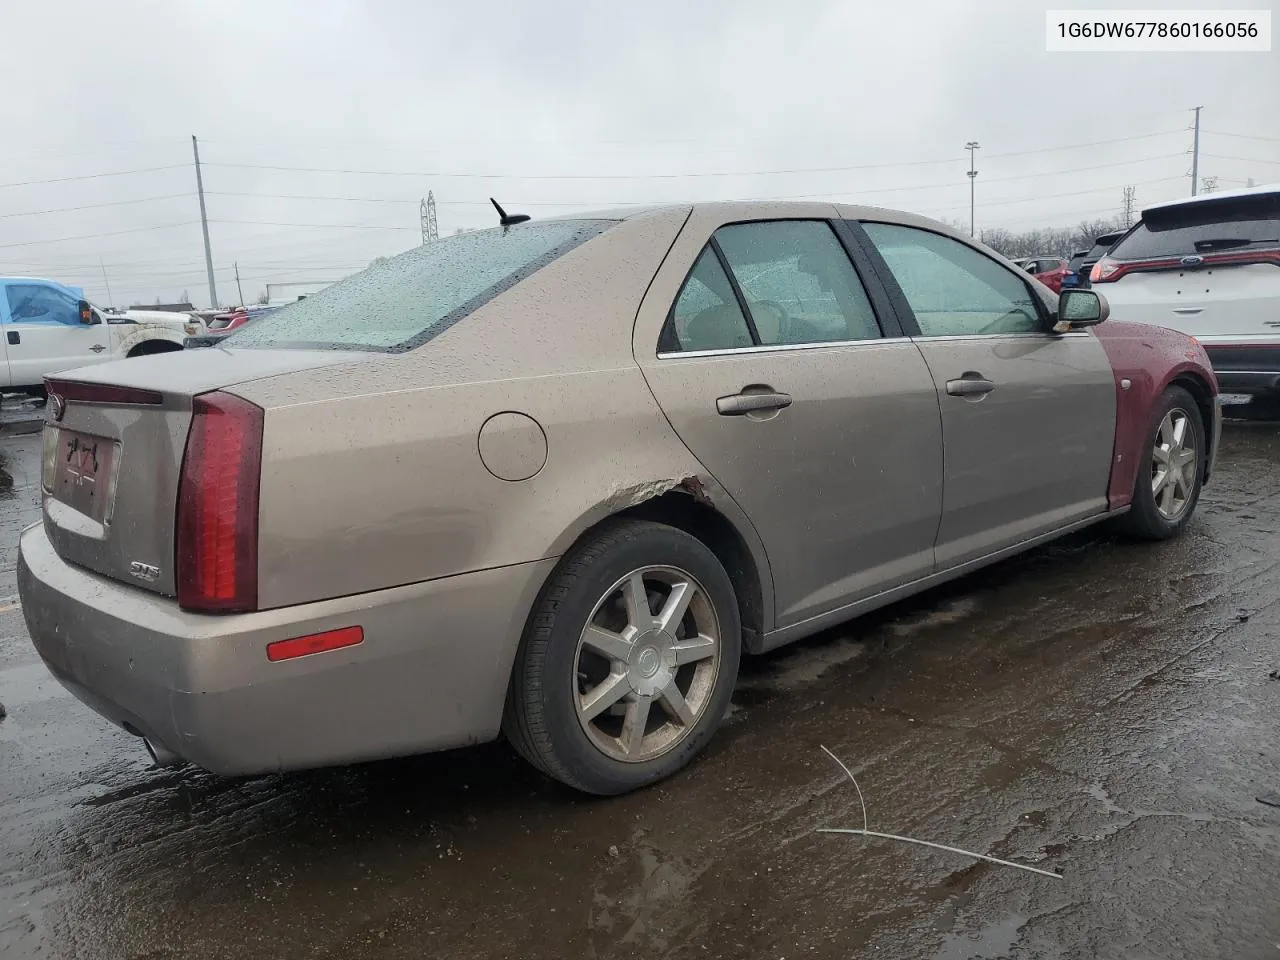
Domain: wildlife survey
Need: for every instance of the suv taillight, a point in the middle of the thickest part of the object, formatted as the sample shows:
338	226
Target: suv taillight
1104	271
217	542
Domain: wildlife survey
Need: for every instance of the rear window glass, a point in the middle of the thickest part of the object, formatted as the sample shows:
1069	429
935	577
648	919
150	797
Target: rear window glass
1198	232
403	302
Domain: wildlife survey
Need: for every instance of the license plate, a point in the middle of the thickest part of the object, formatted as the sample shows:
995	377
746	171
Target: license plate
1234	399
84	474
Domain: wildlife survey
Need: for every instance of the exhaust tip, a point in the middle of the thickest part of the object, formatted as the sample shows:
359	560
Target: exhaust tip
160	755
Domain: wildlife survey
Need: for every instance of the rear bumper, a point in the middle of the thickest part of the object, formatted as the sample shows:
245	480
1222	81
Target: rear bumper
1252	369
431	673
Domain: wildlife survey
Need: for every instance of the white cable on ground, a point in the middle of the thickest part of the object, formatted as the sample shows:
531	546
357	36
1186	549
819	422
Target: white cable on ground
865	832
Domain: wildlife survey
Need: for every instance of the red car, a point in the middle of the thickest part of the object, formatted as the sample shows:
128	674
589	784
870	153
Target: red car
1048	270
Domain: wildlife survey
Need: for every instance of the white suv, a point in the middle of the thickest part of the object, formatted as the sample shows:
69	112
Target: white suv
1208	266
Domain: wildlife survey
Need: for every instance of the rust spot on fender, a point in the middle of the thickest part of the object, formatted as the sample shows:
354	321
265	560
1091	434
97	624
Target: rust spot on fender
693	486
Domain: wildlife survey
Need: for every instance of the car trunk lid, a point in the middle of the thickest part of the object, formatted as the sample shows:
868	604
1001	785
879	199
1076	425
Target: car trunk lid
113	452
1216	301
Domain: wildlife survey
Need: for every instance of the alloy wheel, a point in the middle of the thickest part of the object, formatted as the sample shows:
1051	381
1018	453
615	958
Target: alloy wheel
646	663
1175	465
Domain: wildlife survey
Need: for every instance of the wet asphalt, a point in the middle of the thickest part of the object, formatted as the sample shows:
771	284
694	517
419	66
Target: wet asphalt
1104	709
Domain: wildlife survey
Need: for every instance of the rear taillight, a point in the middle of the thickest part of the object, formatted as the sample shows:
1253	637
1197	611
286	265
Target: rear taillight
1104	271
217	548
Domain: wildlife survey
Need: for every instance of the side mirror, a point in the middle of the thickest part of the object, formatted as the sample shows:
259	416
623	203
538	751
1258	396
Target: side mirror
1080	308
86	313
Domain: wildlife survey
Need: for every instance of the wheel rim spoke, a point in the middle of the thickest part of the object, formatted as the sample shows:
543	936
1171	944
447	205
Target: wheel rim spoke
677	604
604	696
637	719
694	649
676	705
636	598
614	646
1166	498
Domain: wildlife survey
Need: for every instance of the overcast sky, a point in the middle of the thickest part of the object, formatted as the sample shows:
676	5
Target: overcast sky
556	106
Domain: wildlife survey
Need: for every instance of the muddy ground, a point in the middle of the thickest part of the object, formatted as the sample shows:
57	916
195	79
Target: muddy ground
1096	707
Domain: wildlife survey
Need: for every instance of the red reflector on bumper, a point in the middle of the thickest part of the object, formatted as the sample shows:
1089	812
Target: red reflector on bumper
314	643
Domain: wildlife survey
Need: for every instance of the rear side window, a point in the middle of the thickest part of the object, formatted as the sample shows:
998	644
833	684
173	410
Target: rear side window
798	282
1193	231
706	315
793	276
403	302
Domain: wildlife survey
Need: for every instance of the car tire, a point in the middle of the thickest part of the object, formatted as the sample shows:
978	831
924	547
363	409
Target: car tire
1161	514
570	660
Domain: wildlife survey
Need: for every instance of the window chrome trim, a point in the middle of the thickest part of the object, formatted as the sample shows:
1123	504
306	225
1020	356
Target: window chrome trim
779	347
818	345
1022	335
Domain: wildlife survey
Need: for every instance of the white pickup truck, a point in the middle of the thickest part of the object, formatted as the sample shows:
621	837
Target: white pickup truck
47	327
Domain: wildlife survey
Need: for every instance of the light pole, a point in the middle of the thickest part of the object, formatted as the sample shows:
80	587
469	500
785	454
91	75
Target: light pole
971	146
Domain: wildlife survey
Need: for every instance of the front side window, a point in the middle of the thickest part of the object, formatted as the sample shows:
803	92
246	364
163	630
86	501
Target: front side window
798	282
36	303
952	289
400	303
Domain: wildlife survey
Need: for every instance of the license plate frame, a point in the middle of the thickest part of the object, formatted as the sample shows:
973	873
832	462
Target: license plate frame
84	474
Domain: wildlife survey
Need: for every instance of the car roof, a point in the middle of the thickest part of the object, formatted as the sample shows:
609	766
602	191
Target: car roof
764	210
1215	197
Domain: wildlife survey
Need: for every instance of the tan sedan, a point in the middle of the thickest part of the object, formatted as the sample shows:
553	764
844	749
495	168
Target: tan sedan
552	479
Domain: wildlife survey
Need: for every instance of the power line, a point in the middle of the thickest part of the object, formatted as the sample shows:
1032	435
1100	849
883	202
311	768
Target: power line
622	176
1242	136
95	206
321	226
95	176
1218	156
95	236
435	142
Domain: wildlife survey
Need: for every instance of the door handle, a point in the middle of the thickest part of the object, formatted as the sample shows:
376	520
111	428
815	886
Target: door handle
969	387
739	404
1188	310
14	338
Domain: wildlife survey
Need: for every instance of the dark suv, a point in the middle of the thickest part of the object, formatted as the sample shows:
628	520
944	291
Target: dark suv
1081	263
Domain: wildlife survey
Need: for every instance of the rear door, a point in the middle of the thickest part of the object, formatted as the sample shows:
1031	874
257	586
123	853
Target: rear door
1209	268
1028	416
44	335
762	345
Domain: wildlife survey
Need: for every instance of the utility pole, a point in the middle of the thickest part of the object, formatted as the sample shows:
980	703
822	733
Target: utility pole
204	223
106	281
1195	154
1129	193
427	215
238	289
971	146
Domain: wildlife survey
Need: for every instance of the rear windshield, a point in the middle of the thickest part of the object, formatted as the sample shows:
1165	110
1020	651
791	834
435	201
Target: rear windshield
401	303
1190	231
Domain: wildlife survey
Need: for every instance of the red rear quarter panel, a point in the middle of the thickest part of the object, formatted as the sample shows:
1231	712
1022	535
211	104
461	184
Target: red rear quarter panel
1150	358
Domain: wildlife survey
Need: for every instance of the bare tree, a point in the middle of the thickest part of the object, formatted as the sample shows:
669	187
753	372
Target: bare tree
1050	241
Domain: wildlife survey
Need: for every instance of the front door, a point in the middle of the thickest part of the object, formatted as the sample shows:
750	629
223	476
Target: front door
1028	416
44	335
774	371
